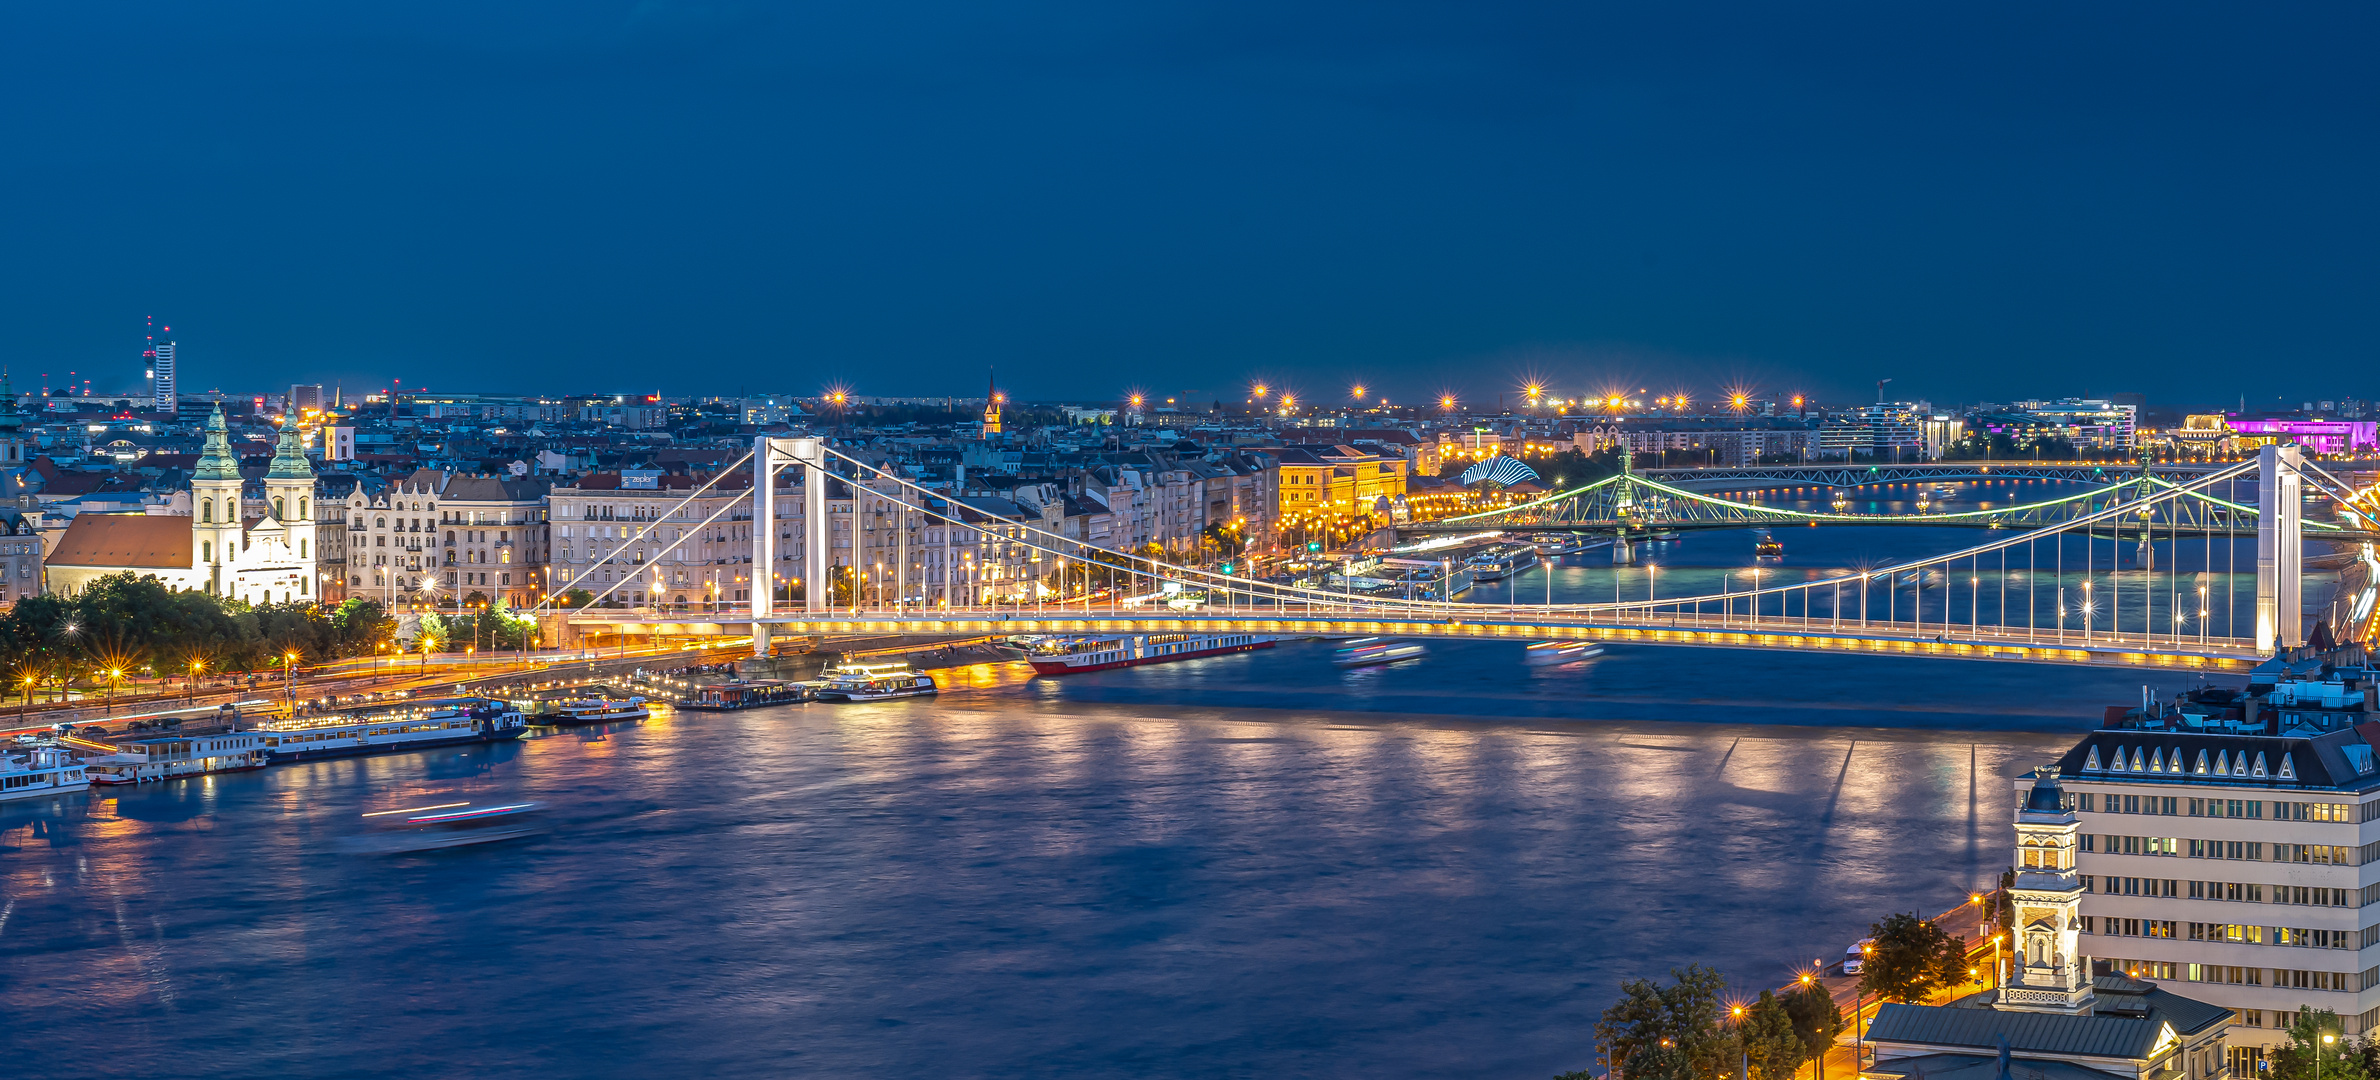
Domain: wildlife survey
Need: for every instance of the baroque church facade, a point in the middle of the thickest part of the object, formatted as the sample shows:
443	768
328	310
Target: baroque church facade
218	549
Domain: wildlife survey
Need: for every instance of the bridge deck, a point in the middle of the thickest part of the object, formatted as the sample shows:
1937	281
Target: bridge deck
1815	635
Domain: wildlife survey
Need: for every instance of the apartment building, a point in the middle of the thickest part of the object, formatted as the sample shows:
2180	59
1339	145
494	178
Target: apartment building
494	538
2247	863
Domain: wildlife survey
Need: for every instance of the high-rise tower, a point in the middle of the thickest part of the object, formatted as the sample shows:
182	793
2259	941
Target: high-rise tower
991	404
162	365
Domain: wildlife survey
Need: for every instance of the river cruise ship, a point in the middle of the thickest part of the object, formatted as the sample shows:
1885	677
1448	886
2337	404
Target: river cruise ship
43	772
169	757
1069	656
596	711
418	725
874	682
743	694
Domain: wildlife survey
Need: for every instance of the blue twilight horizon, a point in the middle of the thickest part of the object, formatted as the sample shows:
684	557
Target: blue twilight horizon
706	197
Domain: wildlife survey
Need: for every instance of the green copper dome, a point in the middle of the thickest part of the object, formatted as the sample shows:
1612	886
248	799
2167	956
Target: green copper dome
289	458
215	461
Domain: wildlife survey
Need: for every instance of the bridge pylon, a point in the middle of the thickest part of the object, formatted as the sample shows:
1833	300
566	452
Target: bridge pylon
2280	550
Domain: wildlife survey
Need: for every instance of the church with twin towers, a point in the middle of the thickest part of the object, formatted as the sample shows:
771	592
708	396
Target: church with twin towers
258	551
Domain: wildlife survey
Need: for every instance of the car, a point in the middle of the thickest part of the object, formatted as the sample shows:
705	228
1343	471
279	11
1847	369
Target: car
1856	956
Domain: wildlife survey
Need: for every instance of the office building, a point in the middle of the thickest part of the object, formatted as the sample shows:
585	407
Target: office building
2236	861
161	369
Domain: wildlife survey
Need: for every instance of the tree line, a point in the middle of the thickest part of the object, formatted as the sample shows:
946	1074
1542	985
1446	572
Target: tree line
126	625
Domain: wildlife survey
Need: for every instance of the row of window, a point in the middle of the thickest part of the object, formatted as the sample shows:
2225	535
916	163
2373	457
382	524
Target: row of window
2112	803
2249	850
2243	934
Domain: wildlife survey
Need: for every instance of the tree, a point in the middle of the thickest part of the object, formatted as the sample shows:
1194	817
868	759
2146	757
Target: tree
1657	1032
1911	958
2340	1059
577	598
1767	1039
1817	1020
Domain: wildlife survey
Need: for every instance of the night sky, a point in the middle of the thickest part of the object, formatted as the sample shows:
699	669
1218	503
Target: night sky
1979	202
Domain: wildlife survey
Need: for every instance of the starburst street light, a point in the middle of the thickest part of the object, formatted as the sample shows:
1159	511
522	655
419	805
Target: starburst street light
1446	402
1356	392
1260	390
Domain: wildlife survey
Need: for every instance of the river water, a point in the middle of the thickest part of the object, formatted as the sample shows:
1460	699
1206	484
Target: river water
1250	865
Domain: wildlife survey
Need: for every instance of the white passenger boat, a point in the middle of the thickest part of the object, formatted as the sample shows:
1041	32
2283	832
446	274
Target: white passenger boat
1501	562
168	757
1069	656
1549	653
418	725
448	825
598	711
1367	652
874	682
43	771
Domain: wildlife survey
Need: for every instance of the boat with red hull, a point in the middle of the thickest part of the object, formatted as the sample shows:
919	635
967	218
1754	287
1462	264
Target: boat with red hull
1073	656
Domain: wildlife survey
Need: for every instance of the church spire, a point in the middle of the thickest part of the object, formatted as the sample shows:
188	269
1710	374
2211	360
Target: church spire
10	422
289	458
215	460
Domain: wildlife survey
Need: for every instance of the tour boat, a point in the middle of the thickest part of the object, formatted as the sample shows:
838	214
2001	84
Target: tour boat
419	725
741	694
168	757
874	682
1501	562
46	771
597	711
1549	653
1366	652
431	828
1068	656
1768	550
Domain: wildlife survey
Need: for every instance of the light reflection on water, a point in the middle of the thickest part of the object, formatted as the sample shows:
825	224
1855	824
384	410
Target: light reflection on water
1252	863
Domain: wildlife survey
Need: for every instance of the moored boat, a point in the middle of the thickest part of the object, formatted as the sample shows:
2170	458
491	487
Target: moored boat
45	771
169	757
1768	550
1502	561
874	682
597	711
1367	652
419	725
1549	653
1069	656
743	694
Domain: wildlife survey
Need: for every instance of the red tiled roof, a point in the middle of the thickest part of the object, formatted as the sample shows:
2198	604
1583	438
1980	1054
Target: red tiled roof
144	541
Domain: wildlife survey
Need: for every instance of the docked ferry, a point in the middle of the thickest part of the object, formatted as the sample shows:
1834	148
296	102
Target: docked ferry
419	725
168	757
1068	656
45	771
597	711
874	682
743	694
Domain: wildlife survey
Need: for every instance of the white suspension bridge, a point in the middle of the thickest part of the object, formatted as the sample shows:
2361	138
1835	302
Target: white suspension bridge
2060	591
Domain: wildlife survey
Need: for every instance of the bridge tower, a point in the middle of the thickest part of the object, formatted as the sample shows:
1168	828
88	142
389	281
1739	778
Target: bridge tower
2280	550
768	456
1623	503
2145	555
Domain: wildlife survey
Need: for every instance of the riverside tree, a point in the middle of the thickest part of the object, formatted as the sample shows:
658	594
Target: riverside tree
1657	1032
1817	1020
1772	1049
1910	959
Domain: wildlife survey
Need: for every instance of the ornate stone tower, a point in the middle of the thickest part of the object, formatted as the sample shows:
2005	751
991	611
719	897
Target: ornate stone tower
289	491
2046	971
12	428
215	514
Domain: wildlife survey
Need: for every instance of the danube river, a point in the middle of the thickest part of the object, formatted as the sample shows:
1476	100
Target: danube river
1251	865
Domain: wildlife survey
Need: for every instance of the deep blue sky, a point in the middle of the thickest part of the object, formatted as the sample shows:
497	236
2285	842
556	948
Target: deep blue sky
1979	202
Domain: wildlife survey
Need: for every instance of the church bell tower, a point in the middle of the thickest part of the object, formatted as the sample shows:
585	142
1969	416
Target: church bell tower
2046	971
215	516
289	491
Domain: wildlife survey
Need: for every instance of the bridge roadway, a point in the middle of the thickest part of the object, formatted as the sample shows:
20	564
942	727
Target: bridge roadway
1848	476
1516	624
